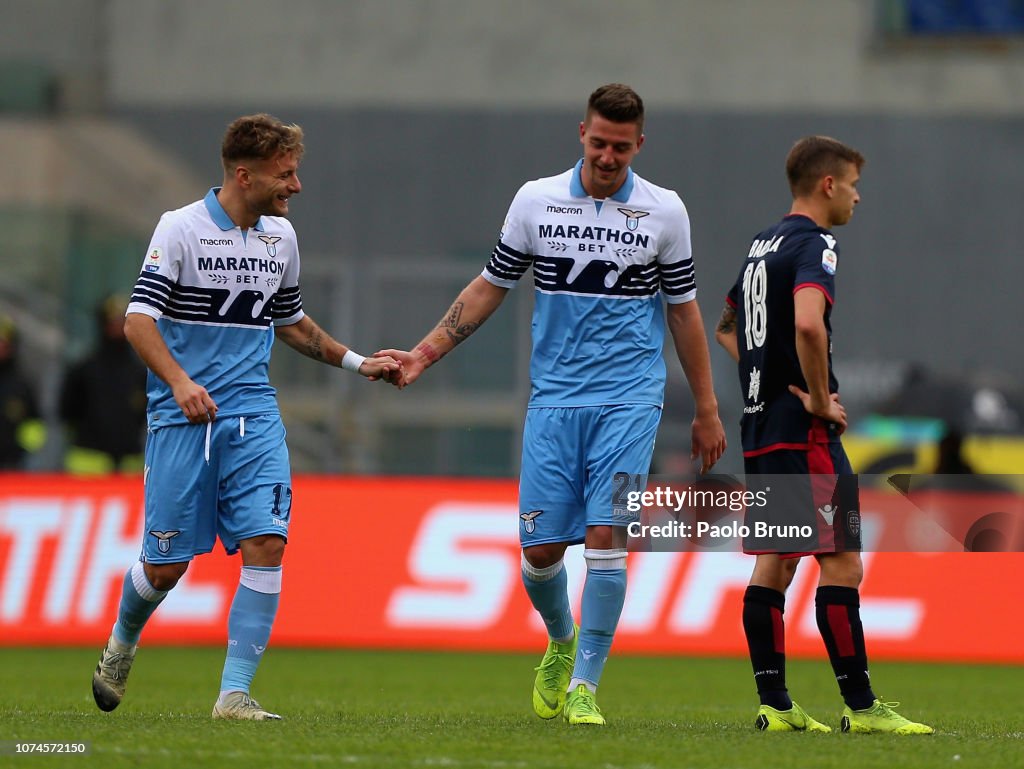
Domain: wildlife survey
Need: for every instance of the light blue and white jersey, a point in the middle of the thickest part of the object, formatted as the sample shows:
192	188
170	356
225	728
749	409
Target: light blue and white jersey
216	292
600	269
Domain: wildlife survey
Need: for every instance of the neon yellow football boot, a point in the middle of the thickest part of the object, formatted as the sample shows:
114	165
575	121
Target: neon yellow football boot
793	720
553	676
880	717
581	707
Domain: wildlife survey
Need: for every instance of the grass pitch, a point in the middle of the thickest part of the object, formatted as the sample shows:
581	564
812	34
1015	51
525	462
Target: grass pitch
401	709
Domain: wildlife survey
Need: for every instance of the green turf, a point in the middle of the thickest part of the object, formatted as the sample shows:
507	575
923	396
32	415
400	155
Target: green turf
395	709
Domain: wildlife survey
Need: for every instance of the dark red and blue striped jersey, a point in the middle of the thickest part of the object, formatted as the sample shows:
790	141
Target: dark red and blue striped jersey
793	254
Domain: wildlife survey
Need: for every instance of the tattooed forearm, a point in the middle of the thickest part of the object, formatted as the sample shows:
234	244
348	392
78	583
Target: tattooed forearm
451	318
314	344
462	333
456	330
727	323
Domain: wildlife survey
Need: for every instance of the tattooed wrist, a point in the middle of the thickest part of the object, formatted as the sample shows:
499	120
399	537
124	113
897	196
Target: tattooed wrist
428	352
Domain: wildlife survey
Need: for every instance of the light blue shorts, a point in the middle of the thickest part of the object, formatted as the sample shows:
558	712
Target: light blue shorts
576	461
231	480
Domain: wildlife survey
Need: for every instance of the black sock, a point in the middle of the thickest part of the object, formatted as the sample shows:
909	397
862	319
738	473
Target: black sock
838	613
766	640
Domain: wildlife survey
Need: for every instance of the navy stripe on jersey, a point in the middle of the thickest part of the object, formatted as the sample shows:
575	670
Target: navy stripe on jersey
188	305
152	289
208	305
597	277
287	302
508	264
678	278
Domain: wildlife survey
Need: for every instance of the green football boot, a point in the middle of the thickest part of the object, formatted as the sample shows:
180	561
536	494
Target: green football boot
581	707
880	717
793	720
553	676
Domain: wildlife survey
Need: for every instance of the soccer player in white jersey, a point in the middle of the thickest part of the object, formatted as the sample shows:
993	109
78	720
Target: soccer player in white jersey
219	282
607	247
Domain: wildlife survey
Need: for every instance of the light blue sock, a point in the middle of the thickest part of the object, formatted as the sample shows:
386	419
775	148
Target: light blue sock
249	622
139	600
549	595
604	593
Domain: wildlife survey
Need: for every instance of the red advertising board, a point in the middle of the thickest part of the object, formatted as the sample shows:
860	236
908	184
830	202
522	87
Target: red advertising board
434	563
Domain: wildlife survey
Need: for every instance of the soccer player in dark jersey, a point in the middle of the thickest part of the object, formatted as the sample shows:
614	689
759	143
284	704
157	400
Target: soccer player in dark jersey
776	325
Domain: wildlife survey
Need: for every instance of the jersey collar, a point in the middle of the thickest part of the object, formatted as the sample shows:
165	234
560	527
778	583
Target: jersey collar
220	216
577	191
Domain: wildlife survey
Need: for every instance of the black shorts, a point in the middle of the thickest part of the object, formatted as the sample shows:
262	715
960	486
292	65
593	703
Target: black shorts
812	502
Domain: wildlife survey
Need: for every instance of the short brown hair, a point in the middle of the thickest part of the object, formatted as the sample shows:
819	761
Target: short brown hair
618	103
259	137
814	157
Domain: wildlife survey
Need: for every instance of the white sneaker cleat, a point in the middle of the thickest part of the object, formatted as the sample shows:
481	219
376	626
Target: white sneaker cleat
239	706
111	676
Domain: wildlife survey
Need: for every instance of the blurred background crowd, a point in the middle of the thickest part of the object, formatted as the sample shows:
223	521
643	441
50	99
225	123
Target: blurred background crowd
423	118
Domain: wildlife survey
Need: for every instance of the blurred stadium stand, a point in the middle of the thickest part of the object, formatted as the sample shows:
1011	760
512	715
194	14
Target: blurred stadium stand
422	120
955	17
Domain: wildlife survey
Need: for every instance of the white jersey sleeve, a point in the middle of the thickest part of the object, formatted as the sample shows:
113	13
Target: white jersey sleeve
513	254
160	269
675	262
286	306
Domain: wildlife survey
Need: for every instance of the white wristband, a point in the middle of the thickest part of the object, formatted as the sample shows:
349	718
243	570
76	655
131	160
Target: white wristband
351	361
